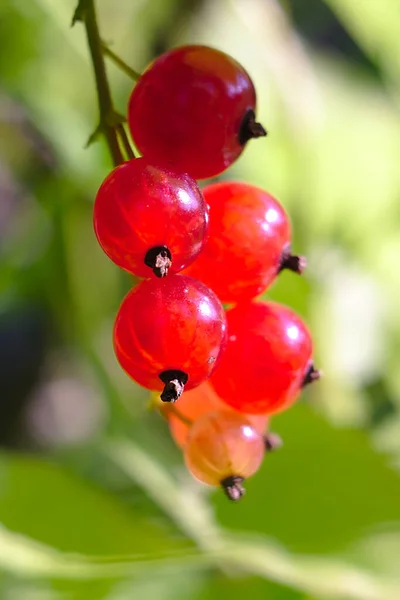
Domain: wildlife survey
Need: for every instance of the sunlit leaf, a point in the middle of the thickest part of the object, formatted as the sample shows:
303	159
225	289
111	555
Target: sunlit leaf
316	493
53	506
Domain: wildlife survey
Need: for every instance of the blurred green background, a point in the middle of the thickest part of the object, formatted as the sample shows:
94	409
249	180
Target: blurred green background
95	503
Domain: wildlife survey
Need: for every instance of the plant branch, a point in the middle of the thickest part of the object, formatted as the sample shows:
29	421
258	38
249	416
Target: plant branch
123	137
172	410
86	12
119	62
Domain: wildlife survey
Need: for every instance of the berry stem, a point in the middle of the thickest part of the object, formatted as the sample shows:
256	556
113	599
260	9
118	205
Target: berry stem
86	13
119	62
233	487
177	413
120	129
174	384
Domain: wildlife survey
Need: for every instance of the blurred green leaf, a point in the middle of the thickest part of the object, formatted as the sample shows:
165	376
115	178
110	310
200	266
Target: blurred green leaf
220	586
320	491
179	585
55	507
375	26
180	502
316	575
240	554
24	557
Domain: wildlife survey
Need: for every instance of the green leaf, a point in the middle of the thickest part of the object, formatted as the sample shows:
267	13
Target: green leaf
220	586
181	503
25	558
316	575
375	25
49	504
322	490
238	555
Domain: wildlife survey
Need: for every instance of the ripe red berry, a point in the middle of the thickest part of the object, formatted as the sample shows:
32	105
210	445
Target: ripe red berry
169	331
147	217
193	110
196	403
267	360
248	242
223	448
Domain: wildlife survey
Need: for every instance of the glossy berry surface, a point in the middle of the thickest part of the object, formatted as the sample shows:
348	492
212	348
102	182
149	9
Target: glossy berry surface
141	207
223	448
267	358
175	324
194	404
248	242
193	110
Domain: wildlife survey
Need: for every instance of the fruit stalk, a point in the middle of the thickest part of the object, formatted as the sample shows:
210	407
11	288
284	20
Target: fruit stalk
120	63
86	12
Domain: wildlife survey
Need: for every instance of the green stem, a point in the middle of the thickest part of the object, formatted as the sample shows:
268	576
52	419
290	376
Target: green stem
120	63
125	141
103	89
177	413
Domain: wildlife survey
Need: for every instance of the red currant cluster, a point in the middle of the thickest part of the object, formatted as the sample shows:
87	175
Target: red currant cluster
191	114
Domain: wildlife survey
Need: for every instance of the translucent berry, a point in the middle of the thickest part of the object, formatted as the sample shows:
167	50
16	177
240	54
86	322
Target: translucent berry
147	218
267	360
169	333
193	110
196	403
223	448
248	242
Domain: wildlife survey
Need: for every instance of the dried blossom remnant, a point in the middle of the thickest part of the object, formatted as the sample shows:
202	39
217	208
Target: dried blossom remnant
311	375
272	442
233	487
292	262
159	259
174	381
250	129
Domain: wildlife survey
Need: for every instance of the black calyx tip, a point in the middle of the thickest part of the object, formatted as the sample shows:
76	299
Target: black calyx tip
175	382
249	128
312	374
292	262
159	260
272	441
233	487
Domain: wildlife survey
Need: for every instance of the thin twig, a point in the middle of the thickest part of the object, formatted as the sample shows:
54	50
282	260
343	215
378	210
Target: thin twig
119	62
126	145
103	89
172	410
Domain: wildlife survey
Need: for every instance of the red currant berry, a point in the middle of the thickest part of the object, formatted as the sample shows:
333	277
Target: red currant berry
223	448
147	217
267	359
193	110
248	242
171	332
196	403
